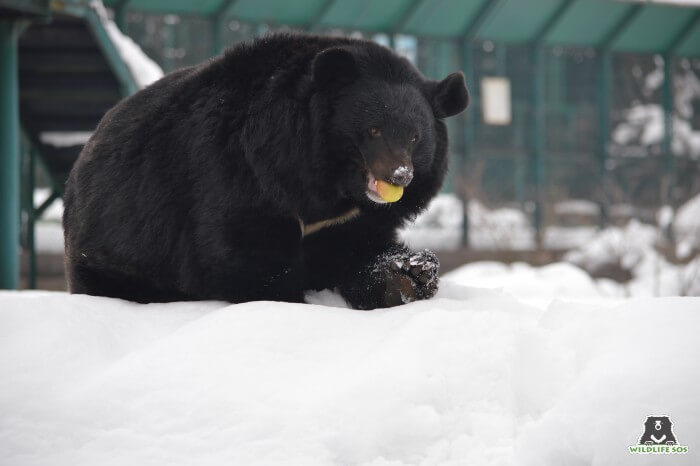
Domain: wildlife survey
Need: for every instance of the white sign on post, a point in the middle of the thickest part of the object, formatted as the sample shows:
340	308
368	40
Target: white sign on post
495	100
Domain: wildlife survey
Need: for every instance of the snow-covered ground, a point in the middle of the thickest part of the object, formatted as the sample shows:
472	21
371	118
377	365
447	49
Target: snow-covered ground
476	376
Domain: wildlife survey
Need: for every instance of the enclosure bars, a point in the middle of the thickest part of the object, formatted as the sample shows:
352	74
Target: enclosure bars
218	21
468	126
9	153
115	61
604	94
668	190
30	213
537	98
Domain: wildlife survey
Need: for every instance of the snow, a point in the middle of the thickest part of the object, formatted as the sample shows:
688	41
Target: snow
687	223
577	207
65	138
475	376
633	248
440	226
503	228
144	70
643	124
538	286
567	237
48	233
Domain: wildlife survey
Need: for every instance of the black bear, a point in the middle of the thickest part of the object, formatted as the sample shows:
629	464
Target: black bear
657	431
258	175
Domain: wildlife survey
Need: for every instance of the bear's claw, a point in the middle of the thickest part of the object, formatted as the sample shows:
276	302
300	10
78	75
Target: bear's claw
410	277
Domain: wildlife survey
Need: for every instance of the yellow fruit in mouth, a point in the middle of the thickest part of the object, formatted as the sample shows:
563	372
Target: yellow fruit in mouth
389	192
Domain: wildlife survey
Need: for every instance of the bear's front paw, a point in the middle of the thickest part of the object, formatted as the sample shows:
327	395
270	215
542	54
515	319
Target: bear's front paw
410	276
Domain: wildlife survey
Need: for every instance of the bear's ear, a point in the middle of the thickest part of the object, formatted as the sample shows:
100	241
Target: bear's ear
450	96
334	67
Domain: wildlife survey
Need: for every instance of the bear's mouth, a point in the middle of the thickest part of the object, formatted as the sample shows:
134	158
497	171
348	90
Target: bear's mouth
372	193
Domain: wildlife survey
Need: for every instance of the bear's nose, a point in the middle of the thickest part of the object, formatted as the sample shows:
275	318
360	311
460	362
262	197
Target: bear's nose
402	175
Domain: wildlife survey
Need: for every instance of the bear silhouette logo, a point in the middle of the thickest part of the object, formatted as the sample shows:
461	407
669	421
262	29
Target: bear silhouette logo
657	431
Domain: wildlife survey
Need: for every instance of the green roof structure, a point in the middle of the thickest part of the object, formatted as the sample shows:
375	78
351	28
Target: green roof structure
644	27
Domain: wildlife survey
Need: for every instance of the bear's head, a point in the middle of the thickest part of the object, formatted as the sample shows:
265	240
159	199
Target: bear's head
660	424
386	116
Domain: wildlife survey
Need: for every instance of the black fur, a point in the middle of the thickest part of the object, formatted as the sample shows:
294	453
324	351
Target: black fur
197	187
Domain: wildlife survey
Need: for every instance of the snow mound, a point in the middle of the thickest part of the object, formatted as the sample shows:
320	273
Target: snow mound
535	285
473	377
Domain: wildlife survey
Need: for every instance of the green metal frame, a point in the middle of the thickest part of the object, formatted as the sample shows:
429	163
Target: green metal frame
13	160
120	18
468	127
604	96
31	159
668	193
537	96
315	22
218	23
9	153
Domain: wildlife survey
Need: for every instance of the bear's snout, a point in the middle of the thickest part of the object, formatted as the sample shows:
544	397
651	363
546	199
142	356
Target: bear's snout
402	175
396	170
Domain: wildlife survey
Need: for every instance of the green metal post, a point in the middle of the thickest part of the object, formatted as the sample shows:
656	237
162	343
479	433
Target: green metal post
604	86
120	18
31	243
443	67
169	62
467	131
519	138
604	91
538	111
669	160
315	22
9	155
30	213
472	113
216	29
538	138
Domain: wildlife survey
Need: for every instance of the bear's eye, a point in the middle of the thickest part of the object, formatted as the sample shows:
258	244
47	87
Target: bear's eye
414	139
375	132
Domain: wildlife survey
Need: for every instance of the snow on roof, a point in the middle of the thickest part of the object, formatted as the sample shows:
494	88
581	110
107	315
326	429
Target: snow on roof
144	70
